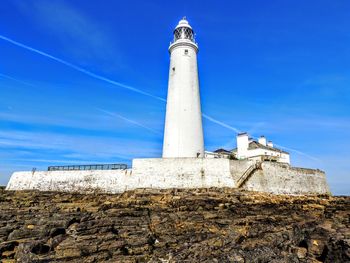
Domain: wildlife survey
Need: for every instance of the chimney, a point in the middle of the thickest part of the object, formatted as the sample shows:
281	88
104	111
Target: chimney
262	140
270	144
242	145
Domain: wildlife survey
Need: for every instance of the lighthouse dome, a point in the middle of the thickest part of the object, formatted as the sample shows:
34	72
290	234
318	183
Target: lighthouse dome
183	23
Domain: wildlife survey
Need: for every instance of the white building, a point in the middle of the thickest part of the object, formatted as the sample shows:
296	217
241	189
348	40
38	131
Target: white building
259	150
248	149
183	133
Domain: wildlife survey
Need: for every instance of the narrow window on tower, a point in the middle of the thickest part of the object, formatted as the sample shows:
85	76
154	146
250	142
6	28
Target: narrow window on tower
186	51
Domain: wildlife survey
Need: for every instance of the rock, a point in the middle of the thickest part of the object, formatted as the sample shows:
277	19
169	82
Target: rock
316	246
8	254
301	252
176	225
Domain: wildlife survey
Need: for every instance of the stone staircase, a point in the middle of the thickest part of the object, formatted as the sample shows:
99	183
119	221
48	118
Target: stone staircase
245	176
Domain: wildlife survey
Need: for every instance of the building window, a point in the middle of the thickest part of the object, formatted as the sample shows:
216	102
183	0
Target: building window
186	51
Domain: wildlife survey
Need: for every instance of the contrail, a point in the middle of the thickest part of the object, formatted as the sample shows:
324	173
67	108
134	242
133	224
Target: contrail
299	152
221	123
17	80
87	72
129	120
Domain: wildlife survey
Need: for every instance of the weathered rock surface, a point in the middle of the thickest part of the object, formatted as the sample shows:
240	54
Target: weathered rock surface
206	225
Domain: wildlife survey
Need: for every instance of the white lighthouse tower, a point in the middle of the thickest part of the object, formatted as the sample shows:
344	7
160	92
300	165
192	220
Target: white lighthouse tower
183	134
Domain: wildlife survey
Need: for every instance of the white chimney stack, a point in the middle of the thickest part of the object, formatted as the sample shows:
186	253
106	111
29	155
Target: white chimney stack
262	140
242	145
270	144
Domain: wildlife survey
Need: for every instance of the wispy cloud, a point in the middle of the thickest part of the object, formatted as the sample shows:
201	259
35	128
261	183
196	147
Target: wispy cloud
129	120
108	148
334	81
305	123
80	69
51	161
83	122
79	34
298	152
256	126
15	79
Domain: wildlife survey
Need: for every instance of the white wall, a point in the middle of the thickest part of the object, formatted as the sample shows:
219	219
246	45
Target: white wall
110	181
285	158
183	172
242	145
183	133
176	173
283	179
282	157
146	173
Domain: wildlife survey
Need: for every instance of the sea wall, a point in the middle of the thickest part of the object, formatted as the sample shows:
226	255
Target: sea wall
182	173
176	173
146	173
108	181
280	178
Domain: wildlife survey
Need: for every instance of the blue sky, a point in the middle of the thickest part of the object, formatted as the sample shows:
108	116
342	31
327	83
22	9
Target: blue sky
85	81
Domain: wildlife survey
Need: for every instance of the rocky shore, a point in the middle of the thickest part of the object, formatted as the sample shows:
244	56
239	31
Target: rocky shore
198	225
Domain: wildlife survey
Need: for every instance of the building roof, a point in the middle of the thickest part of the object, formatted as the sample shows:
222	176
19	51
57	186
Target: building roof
256	145
221	150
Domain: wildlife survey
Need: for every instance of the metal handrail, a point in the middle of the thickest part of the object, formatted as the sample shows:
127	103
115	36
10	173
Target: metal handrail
113	166
247	173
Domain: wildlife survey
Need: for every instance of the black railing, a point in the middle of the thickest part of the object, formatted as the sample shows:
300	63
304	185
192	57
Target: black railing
114	166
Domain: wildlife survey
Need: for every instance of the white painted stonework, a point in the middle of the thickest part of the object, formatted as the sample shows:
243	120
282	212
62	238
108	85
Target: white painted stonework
176	173
108	181
183	133
280	178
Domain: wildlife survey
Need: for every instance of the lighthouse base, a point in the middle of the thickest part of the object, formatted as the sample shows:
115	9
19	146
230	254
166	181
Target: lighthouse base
183	172
164	173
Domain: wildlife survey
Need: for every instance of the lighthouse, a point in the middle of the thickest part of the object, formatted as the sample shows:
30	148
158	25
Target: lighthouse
183	133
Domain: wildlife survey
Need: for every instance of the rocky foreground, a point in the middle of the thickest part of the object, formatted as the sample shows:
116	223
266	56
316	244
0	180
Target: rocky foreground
207	225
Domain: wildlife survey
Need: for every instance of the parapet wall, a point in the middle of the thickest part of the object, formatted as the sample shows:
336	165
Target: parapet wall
280	178
176	173
107	181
